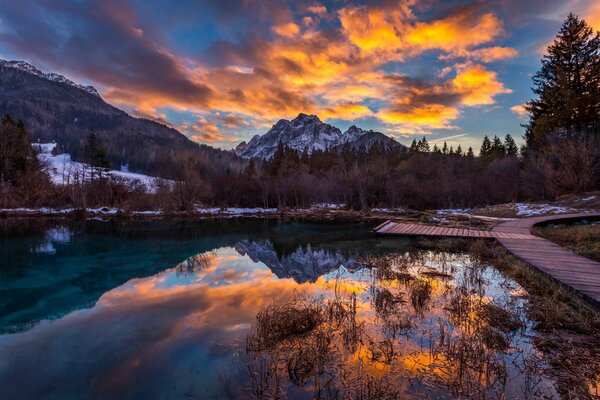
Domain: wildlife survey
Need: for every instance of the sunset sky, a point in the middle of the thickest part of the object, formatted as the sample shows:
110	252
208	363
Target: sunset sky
223	71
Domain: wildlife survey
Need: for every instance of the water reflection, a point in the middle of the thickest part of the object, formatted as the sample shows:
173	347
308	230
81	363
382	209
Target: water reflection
52	237
414	325
331	323
304	264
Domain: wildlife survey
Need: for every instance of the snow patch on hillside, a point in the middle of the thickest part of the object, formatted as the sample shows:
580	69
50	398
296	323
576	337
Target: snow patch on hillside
64	171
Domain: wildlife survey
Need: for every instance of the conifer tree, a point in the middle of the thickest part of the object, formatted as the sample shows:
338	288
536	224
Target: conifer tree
95	155
16	154
414	146
470	152
486	147
497	150
459	150
510	146
567	86
274	164
436	149
445	148
423	145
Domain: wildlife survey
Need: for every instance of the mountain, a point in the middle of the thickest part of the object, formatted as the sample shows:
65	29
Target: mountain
308	132
26	67
54	108
305	264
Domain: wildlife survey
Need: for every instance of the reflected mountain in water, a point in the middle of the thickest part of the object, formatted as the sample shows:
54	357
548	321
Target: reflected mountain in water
58	235
50	267
305	264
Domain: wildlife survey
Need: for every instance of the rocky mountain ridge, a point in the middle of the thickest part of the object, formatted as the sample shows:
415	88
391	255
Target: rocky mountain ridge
310	133
51	76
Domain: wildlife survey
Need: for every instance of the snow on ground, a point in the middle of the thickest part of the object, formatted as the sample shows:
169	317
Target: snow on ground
234	211
327	206
63	170
452	211
439	220
530	210
147	212
43	210
388	210
59	211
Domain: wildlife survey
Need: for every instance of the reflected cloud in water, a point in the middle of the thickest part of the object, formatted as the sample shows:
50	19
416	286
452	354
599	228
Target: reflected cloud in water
423	323
146	335
183	332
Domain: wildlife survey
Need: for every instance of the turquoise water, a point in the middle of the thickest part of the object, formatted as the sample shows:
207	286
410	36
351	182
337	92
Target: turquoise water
164	309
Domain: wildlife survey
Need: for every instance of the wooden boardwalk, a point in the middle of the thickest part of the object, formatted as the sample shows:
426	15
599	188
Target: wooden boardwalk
397	228
572	270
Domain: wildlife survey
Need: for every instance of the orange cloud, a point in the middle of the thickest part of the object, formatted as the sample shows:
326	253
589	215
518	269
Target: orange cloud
347	111
288	30
232	121
394	32
351	92
374	29
206	131
333	72
418	119
456	33
419	107
520	110
477	85
592	15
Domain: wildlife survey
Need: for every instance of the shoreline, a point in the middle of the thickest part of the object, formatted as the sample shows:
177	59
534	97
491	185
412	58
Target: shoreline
106	213
481	217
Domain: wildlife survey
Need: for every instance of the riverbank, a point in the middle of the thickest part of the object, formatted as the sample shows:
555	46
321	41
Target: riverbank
482	217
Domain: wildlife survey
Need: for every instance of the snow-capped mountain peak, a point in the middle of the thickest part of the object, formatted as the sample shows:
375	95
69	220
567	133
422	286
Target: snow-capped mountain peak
353	133
303	132
51	76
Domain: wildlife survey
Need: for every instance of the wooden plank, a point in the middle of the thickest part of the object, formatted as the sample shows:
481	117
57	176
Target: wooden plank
572	270
380	226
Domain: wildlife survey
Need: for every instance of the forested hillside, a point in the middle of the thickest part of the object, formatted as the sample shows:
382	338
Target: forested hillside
55	111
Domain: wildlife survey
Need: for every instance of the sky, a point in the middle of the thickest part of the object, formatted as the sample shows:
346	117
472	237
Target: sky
223	71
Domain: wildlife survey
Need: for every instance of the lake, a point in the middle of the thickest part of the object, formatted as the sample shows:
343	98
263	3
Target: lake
252	308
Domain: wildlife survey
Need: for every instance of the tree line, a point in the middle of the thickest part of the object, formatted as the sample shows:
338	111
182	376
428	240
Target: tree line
561	155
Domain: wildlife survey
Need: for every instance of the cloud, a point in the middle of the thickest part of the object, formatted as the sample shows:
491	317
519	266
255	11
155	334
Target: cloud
477	85
106	45
458	32
419	119
232	121
348	111
339	61
520	110
448	138
592	15
318	9
351	92
485	54
395	31
205	131
422	105
288	30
